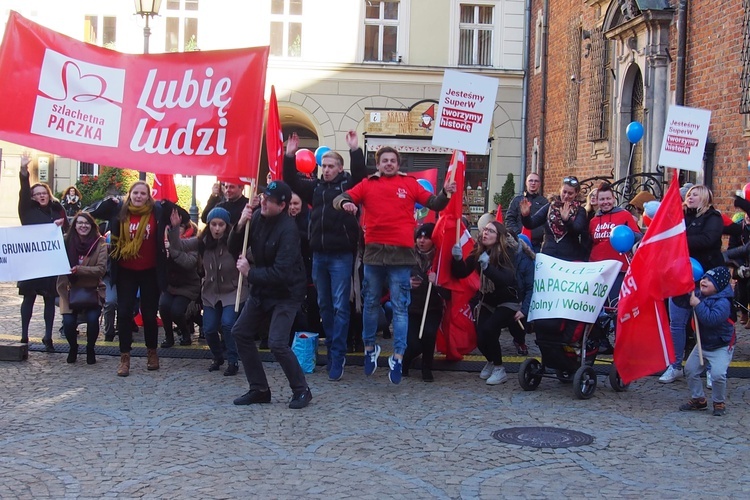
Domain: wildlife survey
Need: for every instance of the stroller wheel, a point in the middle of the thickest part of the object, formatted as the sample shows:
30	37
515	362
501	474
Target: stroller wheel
584	382
530	374
615	381
564	376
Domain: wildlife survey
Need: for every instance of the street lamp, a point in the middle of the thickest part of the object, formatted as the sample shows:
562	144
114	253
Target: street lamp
146	9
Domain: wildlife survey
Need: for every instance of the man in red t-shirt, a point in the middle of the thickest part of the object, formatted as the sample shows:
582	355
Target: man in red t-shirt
388	199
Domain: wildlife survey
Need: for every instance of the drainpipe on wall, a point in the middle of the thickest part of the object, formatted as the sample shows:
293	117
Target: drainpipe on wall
525	93
543	113
679	91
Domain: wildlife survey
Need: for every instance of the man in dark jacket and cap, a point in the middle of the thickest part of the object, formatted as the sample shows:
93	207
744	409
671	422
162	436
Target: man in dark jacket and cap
277	280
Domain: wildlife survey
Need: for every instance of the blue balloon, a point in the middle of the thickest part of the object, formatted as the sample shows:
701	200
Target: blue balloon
634	132
650	208
697	269
319	154
425	184
525	239
622	238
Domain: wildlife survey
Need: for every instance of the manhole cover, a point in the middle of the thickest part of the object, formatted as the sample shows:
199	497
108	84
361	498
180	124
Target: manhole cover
543	437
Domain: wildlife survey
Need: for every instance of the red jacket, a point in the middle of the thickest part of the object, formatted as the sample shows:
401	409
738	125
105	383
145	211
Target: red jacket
600	228
388	204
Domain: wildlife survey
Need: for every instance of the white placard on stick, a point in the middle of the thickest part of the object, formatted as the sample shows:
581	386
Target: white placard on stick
33	251
685	138
570	290
467	102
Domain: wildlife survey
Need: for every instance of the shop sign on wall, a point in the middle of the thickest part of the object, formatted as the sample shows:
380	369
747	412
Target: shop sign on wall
416	121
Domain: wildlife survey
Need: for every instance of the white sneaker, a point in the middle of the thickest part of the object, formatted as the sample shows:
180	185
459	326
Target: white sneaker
487	370
498	376
709	382
671	375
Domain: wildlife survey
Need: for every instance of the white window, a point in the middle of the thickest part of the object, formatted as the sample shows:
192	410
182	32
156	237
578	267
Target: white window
87	169
381	30
100	30
181	19
286	28
476	37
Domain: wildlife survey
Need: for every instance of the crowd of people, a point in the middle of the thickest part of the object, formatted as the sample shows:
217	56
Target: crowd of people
321	253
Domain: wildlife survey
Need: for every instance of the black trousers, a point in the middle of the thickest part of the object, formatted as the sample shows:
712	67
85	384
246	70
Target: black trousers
424	346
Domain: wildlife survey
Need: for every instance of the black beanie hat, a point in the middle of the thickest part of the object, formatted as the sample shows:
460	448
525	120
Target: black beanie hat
424	230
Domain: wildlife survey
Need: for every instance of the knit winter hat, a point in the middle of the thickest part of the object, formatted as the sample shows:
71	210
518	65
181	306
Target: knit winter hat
218	213
425	230
719	276
684	189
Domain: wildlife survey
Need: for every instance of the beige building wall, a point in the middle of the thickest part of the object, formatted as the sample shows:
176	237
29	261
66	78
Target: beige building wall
328	88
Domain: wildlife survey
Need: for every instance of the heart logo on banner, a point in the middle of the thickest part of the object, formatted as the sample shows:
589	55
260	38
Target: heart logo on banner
89	86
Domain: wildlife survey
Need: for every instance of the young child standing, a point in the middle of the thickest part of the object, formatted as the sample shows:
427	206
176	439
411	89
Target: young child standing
713	309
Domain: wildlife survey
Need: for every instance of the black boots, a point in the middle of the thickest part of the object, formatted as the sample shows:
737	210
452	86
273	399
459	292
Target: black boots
168	340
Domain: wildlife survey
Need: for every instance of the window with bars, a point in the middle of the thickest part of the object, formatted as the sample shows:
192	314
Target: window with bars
476	34
85	168
286	28
181	26
600	87
100	30
381	30
745	80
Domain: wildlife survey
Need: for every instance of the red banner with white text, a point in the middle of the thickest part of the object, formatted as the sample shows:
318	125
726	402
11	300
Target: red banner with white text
188	113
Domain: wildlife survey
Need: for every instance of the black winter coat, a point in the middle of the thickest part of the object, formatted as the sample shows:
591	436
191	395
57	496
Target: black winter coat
569	247
513	216
30	212
234	208
331	230
504	279
704	237
277	273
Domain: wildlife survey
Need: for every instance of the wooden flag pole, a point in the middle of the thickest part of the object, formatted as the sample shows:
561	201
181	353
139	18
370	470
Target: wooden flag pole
244	248
698	339
426	302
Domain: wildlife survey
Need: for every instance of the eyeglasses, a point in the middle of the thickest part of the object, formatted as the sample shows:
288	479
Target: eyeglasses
488	229
39	193
570	181
82	223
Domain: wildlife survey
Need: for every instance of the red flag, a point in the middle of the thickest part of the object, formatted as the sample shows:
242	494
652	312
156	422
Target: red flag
660	269
499	213
457	335
197	112
164	188
274	138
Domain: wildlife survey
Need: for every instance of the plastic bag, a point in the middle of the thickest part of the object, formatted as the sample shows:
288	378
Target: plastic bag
305	347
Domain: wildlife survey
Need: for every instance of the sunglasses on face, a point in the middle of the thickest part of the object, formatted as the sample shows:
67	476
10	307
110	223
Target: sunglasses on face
570	181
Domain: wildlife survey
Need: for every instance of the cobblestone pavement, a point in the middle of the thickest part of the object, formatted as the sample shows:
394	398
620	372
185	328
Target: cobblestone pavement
78	431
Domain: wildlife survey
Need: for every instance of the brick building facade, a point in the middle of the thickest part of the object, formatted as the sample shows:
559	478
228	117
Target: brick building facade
597	65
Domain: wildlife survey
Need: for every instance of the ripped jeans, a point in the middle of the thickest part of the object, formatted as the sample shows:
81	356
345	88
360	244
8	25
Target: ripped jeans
399	285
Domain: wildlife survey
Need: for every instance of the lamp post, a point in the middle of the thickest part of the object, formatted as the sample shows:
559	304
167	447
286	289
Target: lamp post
146	9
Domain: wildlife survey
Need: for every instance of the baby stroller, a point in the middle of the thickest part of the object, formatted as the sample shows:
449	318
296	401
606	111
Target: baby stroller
569	349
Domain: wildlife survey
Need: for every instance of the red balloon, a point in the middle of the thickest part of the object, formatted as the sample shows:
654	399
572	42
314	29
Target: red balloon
305	161
746	191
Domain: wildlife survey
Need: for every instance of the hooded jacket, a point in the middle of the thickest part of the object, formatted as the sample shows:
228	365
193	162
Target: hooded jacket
600	228
714	317
330	230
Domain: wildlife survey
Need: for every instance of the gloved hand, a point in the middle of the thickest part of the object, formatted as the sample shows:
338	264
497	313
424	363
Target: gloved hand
484	260
457	253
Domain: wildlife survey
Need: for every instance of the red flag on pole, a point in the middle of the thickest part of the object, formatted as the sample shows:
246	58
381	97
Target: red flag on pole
164	188
660	269
274	138
457	335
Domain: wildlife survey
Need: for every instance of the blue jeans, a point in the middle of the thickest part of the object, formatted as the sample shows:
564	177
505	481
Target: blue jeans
332	275
678	320
372	290
716	362
224	317
70	322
